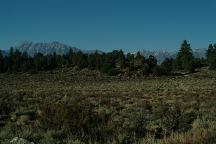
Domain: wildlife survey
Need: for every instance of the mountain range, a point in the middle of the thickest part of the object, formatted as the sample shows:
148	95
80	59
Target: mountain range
60	49
45	48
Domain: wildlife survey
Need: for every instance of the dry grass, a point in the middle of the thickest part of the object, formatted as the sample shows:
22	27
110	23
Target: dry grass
122	99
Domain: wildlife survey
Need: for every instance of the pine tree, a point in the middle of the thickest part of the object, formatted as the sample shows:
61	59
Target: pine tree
167	64
140	57
1	62
17	61
99	59
82	60
10	60
184	59
70	57
26	63
152	62
39	62
92	61
211	56
130	57
121	59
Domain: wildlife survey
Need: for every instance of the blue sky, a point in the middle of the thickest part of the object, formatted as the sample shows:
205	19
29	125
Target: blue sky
129	25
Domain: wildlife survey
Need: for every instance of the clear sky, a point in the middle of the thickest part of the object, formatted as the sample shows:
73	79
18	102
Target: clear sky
109	24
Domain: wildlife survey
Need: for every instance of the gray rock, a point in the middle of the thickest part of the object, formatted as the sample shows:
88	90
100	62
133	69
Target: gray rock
17	140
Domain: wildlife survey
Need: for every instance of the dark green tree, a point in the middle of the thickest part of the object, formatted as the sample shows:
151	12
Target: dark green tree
130	57
184	59
26	62
121	59
99	59
92	61
167	64
39	62
146	70
82	60
17	61
152	62
211	56
70	58
1	62
140	58
10	60
199	62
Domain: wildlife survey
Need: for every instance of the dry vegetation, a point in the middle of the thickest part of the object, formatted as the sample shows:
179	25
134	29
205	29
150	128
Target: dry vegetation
66	106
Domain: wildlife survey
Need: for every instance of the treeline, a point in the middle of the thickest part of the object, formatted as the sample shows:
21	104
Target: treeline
112	63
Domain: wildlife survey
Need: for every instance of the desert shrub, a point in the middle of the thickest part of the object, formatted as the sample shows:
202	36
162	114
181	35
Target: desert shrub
140	125
6	105
173	118
210	137
76	119
7	132
51	116
126	139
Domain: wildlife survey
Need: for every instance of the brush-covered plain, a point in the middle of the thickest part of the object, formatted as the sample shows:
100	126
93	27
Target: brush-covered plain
68	106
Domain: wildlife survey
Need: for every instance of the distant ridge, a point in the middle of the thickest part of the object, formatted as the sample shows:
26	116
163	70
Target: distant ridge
49	48
45	48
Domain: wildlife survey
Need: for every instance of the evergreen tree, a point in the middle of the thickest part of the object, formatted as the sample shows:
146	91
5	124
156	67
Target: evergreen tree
109	63
82	60
140	58
10	60
130	57
99	59
152	62
39	62
1	62
26	62
121	59
184	59
92	61
211	56
17	61
145	70
70	57
167	64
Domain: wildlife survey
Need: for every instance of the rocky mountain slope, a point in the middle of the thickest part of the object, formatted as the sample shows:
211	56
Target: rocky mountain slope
45	48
